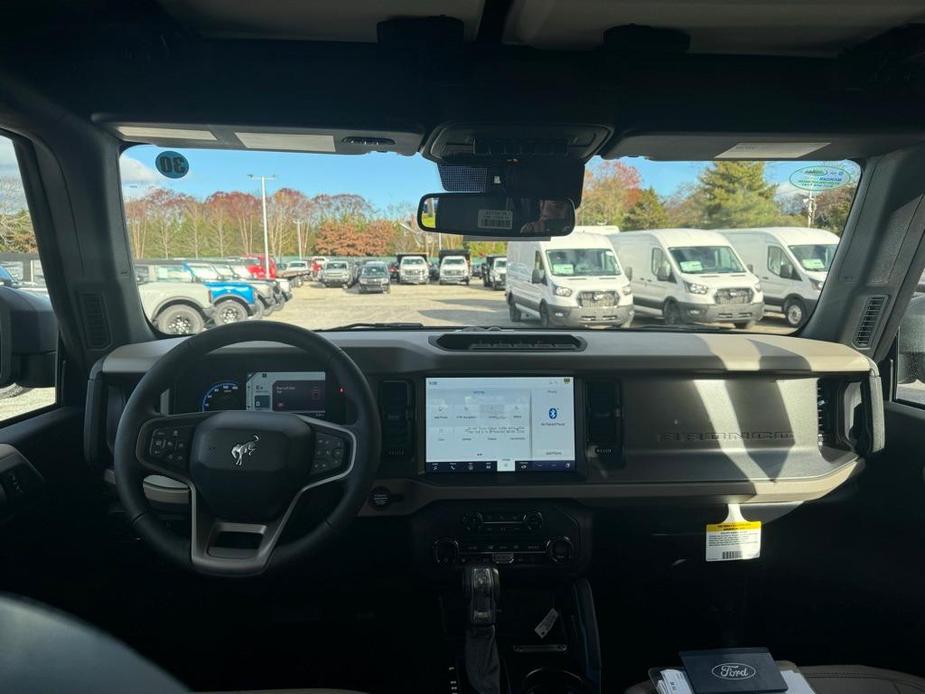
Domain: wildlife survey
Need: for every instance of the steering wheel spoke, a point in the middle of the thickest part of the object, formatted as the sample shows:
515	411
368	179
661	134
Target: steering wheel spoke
165	443
232	548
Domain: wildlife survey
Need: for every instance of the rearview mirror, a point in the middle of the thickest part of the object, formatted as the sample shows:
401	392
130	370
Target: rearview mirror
28	339
538	276
751	267
786	271
629	273
498	216
663	274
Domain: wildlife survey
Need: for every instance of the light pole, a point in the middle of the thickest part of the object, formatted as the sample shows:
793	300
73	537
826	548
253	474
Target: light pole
266	231
298	235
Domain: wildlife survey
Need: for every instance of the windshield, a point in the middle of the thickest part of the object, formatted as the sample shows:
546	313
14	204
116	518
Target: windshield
173	273
704	260
204	272
360	208
373	271
815	257
583	262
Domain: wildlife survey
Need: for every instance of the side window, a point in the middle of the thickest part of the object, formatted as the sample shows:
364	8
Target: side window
20	270
910	357
538	261
775	259
659	262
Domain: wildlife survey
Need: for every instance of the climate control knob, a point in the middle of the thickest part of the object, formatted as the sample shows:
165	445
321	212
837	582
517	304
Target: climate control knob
446	551
560	550
533	520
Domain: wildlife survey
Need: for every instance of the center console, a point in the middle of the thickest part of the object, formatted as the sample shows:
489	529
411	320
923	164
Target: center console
550	536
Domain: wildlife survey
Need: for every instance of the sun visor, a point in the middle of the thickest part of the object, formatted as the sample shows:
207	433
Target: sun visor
757	146
319	140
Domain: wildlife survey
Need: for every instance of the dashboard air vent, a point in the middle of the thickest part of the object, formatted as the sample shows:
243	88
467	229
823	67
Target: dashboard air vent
396	407
95	320
509	342
825	412
870	319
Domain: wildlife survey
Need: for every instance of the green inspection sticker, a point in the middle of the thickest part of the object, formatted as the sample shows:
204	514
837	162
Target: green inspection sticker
817	178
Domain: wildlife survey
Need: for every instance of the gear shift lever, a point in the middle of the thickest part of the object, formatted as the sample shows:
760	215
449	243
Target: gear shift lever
482	586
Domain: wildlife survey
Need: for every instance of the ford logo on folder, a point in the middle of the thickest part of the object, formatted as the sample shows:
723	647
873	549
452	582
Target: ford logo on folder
734	671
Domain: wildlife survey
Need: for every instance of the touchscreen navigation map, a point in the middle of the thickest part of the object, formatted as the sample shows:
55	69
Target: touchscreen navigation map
522	424
286	391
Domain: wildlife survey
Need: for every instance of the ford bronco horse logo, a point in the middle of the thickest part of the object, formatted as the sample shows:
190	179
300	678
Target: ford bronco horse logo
734	671
242	449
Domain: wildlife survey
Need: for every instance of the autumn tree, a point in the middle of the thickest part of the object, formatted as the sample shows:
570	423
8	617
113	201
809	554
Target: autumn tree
284	208
16	234
218	219
647	213
832	208
610	189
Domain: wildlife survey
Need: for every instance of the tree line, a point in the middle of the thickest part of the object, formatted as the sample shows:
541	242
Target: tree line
726	194
166	223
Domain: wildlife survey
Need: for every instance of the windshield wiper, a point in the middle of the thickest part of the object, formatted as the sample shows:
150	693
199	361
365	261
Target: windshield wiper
379	326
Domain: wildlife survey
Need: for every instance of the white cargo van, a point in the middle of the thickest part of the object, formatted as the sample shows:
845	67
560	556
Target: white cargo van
573	280
689	276
791	262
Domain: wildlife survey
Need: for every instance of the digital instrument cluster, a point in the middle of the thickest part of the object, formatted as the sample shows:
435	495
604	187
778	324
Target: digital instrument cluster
303	392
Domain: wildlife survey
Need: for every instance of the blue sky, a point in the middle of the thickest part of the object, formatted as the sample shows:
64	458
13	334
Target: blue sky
383	179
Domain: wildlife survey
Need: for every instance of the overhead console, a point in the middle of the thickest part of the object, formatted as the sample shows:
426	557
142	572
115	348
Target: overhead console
521	417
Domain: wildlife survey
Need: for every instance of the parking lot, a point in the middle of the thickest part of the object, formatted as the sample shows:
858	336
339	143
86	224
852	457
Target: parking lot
313	306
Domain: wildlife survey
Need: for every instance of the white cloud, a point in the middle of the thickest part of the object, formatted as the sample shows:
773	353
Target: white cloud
134	173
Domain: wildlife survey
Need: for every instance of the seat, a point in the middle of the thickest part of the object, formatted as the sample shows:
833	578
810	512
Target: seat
43	650
840	679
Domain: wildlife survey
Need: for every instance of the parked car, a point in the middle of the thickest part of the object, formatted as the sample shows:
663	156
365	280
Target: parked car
394	274
374	277
433	271
336	273
689	276
496	272
177	308
235	299
791	262
317	265
296	271
573	280
258	268
454	267
270	295
412	268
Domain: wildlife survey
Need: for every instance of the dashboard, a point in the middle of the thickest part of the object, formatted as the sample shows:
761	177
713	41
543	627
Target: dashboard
595	418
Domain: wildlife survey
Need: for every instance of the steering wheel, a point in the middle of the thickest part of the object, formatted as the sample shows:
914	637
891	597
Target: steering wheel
246	470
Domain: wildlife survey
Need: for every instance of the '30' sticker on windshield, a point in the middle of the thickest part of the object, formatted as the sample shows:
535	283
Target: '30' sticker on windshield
172	164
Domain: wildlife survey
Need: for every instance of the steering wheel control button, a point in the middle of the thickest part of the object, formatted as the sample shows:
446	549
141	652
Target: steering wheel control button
330	453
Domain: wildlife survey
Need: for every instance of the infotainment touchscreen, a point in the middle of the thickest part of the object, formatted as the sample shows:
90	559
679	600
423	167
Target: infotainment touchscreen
517	424
286	391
